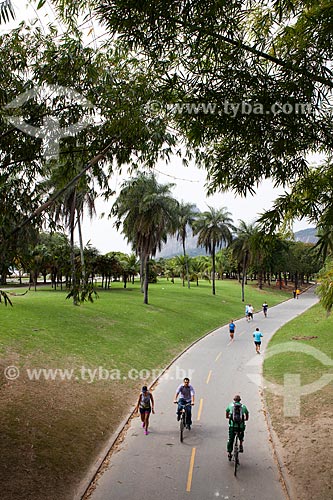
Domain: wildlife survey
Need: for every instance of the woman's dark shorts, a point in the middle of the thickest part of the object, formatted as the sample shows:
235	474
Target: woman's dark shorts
144	410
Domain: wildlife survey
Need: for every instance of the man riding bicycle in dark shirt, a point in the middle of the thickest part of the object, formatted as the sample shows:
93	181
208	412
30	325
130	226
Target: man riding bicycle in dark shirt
186	395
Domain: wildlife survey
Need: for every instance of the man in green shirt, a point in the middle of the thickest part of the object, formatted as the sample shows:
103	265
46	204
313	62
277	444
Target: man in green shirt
237	413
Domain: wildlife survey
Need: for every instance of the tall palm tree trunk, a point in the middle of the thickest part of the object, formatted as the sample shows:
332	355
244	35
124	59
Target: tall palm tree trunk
146	281
83	265
71	225
73	264
245	260
260	279
213	269
142	272
186	264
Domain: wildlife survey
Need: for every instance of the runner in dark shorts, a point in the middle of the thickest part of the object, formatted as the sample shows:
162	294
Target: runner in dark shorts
257	335
146	405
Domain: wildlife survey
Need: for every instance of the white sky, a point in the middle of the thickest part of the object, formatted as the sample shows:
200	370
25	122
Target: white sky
189	181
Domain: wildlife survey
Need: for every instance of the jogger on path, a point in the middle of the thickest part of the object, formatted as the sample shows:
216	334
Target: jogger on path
257	335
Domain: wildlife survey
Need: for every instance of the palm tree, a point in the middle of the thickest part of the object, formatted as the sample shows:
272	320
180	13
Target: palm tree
170	269
182	265
199	268
214	229
6	11
70	208
130	267
187	213
242	248
147	212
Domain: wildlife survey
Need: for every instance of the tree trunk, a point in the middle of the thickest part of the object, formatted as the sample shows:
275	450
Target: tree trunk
244	275
186	263
73	284
243	278
260	280
142	273
213	270
145	299
83	265
280	280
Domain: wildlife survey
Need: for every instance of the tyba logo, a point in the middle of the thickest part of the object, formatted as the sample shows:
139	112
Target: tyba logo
50	130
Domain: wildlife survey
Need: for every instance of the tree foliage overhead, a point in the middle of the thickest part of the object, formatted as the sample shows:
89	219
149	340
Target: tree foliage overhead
247	84
47	66
242	53
6	11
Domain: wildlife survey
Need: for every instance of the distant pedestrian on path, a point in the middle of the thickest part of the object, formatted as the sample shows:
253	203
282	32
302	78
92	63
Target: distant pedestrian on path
247	312
298	291
257	335
265	308
294	293
146	405
250	312
232	328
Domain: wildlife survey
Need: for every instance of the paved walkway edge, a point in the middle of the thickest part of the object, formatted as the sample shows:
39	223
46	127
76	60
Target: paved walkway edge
82	492
285	477
277	453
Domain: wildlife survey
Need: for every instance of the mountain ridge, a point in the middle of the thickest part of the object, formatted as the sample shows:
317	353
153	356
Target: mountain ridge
173	247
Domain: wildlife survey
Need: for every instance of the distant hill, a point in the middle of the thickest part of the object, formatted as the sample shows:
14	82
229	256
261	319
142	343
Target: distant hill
306	235
174	247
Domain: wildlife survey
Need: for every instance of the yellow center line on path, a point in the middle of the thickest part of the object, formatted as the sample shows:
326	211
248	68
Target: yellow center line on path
200	409
218	356
209	375
190	472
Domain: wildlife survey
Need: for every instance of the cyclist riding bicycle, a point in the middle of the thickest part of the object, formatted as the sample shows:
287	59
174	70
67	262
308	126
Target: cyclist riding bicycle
237	413
186	395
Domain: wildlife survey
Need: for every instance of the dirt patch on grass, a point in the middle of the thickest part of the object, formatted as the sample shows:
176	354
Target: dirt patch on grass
51	431
306	444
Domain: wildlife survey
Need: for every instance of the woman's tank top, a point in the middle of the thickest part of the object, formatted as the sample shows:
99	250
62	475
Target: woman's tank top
145	400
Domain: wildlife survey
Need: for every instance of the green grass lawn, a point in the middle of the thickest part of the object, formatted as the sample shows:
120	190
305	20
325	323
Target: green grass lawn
117	327
313	323
52	430
305	438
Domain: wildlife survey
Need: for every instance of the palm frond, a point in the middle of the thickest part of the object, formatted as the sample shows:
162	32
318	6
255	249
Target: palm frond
6	11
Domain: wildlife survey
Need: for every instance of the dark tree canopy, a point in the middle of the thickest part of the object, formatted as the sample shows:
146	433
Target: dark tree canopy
269	61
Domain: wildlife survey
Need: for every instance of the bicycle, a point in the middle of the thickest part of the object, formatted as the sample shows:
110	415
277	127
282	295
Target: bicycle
182	420
235	453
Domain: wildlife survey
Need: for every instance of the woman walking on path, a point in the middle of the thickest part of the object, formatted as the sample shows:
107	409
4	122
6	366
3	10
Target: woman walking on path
146	405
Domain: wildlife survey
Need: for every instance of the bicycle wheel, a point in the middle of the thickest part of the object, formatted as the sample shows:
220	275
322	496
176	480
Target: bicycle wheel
236	461
181	426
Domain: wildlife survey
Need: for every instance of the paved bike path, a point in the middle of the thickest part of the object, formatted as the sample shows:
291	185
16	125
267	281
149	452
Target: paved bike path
159	466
